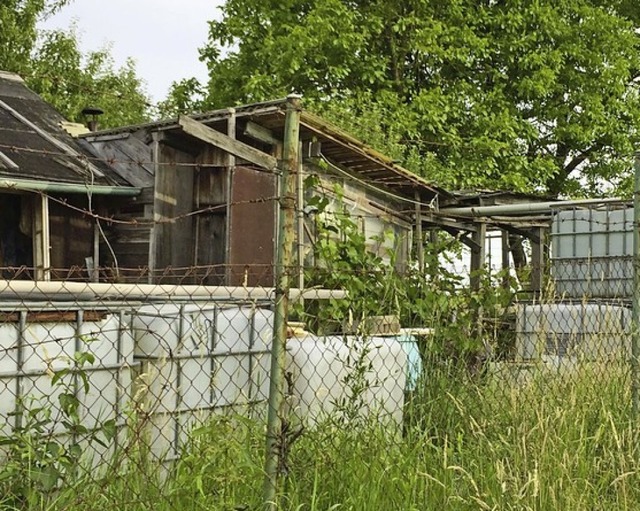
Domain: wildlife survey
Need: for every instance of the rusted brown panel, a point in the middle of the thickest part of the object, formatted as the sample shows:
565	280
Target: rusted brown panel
252	228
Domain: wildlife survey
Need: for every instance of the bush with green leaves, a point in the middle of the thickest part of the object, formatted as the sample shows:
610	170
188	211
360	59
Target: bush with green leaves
467	323
43	456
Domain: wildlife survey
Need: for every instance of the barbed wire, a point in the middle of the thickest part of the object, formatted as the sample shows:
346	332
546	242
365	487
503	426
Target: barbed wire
137	162
140	162
345	176
153	221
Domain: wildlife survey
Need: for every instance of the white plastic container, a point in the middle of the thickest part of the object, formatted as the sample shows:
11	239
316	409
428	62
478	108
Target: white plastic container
557	333
591	252
195	360
199	328
35	351
326	371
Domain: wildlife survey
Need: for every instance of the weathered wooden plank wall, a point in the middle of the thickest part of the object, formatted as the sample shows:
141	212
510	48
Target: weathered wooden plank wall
173	202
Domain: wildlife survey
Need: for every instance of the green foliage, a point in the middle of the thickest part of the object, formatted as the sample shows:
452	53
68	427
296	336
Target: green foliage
554	443
41	463
53	66
512	95
467	323
18	32
71	81
185	97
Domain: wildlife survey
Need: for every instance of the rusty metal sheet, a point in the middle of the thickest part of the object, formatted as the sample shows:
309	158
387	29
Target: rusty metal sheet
252	228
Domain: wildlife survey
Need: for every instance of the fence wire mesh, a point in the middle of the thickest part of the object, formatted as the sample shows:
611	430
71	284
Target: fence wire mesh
156	396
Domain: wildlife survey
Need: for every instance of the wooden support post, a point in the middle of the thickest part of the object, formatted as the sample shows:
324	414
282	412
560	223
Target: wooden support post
231	165
286	224
506	257
300	215
419	236
95	277
41	239
478	254
537	259
151	263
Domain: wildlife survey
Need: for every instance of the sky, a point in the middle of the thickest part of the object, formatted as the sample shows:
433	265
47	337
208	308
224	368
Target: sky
162	36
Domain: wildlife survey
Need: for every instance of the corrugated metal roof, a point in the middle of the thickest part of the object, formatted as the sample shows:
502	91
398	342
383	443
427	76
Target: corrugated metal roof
35	147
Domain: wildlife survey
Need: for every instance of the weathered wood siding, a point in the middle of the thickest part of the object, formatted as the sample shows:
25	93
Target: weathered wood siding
172	206
71	238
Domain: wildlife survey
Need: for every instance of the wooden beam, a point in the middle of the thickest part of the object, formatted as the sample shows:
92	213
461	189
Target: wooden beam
419	236
153	232
260	133
230	170
429	219
537	259
41	239
478	255
505	251
226	143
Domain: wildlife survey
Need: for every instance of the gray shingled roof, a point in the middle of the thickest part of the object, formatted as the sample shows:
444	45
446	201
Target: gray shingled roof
35	148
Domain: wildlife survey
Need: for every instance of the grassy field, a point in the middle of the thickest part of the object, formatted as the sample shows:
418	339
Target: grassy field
548	444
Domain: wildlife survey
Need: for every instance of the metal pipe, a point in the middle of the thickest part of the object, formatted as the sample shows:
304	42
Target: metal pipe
49	291
42	186
635	324
522	209
286	227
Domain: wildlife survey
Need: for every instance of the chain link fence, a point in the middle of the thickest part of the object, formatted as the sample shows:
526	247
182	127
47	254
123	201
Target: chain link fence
157	396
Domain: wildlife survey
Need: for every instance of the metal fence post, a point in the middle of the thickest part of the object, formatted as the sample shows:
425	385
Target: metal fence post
286	240
635	338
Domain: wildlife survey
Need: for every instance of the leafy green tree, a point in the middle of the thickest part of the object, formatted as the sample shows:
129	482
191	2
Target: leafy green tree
71	81
53	65
514	94
18	33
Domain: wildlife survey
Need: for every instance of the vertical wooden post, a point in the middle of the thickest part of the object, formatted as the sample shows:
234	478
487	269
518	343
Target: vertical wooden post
290	165
419	235
478	254
506	257
537	260
635	312
41	239
231	165
300	214
95	277
153	232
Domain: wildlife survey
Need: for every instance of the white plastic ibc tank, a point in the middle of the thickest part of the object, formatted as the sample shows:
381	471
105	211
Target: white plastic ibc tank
325	370
198	358
167	329
35	352
318	370
591	252
584	331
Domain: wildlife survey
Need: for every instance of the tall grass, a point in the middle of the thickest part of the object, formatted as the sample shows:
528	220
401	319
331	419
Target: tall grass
551	442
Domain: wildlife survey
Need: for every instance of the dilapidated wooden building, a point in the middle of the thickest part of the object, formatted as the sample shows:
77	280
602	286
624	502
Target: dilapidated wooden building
195	199
210	189
48	180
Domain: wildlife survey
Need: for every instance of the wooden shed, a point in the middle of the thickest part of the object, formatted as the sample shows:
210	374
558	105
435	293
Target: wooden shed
48	180
210	189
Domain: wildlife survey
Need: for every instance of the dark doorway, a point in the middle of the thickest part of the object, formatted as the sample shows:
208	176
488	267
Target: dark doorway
16	244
